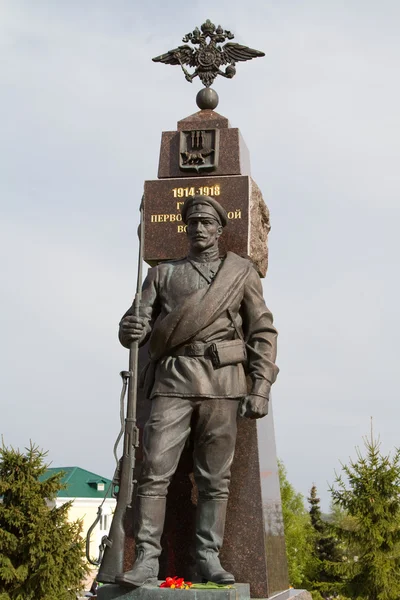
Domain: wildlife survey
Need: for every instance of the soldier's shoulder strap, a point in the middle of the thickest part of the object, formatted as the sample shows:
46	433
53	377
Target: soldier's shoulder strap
201	308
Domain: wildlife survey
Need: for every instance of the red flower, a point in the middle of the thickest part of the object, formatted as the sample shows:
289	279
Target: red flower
176	583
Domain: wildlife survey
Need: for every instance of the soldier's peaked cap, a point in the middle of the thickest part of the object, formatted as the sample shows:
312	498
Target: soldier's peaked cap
204	206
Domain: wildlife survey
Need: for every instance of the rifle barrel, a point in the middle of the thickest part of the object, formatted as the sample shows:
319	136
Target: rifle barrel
113	559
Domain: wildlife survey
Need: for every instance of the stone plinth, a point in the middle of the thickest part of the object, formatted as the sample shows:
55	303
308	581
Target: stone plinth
253	552
204	119
272	506
240	591
205	156
293	595
243	552
233	156
246	233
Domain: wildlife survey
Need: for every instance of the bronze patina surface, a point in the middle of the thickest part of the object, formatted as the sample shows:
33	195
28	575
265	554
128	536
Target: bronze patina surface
208	328
208	56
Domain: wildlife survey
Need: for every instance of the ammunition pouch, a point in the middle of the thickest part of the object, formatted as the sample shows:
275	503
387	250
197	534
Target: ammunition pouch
221	354
230	352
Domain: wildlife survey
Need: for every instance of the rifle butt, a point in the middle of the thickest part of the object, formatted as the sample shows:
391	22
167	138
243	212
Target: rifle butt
112	563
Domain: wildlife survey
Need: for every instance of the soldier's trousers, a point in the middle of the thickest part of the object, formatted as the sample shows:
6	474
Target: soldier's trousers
165	435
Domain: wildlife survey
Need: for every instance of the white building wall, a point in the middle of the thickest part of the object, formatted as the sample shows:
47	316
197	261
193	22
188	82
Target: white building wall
86	509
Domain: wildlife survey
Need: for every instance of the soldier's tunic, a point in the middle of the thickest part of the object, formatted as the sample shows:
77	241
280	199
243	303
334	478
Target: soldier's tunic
188	305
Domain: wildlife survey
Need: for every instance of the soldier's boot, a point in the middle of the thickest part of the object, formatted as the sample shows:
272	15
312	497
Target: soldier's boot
210	526
149	520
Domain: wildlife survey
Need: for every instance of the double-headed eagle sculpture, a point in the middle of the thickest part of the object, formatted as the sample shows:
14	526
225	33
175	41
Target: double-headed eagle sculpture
210	55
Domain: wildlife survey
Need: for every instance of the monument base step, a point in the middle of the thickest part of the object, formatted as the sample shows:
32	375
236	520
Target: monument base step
291	594
239	591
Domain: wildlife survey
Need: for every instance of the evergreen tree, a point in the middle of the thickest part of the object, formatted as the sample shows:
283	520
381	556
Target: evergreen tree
41	553
340	521
298	532
369	492
326	548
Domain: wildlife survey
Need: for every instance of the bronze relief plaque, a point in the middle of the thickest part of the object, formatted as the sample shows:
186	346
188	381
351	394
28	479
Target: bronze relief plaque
199	150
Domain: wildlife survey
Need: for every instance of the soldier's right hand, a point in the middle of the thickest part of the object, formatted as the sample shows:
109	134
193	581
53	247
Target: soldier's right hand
131	328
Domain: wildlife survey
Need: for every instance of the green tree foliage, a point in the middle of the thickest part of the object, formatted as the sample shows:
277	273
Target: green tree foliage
41	553
368	491
340	521
299	534
326	550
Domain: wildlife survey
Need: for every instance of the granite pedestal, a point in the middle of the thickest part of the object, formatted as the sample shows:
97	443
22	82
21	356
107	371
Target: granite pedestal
252	552
228	181
240	591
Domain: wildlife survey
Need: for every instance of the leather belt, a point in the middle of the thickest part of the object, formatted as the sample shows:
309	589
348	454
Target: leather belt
205	349
195	349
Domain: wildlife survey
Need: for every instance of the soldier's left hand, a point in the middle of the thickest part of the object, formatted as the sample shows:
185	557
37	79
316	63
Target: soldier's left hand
253	407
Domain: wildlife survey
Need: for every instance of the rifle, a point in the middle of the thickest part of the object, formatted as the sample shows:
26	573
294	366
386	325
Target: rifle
112	547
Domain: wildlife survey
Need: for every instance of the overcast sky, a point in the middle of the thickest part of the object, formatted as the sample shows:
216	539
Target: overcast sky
82	108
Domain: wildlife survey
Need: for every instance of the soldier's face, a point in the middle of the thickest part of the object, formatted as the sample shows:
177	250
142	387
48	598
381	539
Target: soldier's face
203	233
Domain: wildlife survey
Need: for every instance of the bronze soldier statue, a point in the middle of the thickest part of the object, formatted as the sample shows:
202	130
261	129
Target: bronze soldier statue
209	328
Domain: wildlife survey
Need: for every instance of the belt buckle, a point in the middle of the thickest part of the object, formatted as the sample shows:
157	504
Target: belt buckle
194	349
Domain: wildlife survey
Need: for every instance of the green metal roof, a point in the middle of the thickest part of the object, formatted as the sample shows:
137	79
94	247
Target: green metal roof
80	483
